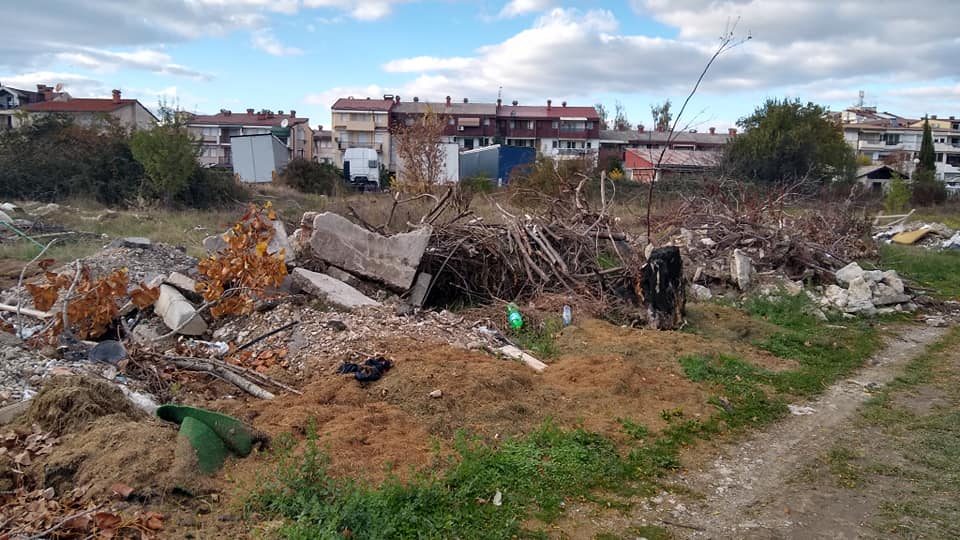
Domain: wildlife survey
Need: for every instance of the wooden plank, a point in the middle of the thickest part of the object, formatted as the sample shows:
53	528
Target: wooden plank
514	352
29	312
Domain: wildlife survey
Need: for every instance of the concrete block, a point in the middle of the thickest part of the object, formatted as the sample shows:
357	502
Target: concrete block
329	289
185	284
392	260
175	310
418	294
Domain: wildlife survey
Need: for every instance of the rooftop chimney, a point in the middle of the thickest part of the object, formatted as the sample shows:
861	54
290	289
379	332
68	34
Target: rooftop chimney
515	103
116	96
397	99
293	114
279	113
713	131
549	102
249	111
564	103
499	104
732	131
416	99
465	100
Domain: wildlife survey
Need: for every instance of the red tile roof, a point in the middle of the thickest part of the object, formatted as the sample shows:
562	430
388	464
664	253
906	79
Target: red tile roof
79	105
555	111
244	119
365	104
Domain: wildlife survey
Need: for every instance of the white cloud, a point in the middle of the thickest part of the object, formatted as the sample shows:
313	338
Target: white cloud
105	61
514	8
426	63
76	85
363	10
264	40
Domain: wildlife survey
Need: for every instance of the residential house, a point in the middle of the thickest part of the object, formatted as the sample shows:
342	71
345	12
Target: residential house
896	142
470	125
12	99
614	143
641	164
92	112
877	178
362	123
215	130
324	149
558	132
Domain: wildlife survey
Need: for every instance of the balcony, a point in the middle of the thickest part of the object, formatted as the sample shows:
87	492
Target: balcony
343	145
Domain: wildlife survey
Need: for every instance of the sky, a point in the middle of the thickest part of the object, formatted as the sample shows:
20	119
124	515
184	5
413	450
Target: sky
207	55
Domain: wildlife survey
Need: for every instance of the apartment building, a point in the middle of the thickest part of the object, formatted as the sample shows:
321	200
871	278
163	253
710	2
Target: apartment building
324	149
92	112
470	125
362	123
215	130
558	132
12	99
894	140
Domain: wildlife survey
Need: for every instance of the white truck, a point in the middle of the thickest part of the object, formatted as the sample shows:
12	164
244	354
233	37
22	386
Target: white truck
361	168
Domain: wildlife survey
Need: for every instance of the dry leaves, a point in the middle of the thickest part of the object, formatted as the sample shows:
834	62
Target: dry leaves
232	278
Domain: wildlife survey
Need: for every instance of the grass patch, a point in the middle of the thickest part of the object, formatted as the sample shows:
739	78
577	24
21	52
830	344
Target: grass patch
933	270
842	463
539	338
534	474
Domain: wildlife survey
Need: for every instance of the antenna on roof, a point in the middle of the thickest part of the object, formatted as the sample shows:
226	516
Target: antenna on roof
58	88
284	123
860	101
500	93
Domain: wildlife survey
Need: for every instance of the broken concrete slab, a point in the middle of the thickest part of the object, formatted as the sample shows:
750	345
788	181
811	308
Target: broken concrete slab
835	296
741	269
392	260
885	295
185	284
700	293
342	275
330	289
418	294
892	279
132	242
848	273
178	313
860	297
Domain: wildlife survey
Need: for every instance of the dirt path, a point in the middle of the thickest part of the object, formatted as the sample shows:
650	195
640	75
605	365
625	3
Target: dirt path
747	491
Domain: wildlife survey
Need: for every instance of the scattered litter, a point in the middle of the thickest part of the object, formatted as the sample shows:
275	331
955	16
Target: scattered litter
801	410
436	394
108	351
909	238
211	435
497	498
371	369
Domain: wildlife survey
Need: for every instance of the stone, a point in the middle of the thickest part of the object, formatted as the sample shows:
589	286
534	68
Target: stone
330	289
708	242
953	242
848	273
860	297
891	279
5	218
185	284
835	296
175	310
937	322
436	394
136	242
700	293
885	295
418	294
392	260
873	276
741	269
10	208
342	275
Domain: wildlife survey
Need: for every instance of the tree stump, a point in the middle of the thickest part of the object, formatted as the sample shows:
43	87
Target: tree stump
661	289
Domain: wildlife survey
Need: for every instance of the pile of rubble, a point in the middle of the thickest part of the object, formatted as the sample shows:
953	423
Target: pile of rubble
930	235
867	292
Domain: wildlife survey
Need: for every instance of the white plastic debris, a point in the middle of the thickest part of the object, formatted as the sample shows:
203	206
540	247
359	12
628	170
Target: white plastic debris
801	410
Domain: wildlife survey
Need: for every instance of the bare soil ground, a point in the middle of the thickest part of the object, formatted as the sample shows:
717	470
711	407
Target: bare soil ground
842	471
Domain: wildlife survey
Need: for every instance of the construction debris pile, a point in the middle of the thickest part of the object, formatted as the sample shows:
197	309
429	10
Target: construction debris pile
867	292
728	245
927	235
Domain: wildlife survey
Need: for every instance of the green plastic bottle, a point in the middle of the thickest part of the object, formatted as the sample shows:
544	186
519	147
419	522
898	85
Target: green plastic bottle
514	318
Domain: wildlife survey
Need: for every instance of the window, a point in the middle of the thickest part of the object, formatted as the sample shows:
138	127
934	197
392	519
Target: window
891	139
529	124
555	124
589	125
938	157
556	144
953	160
589	144
372	163
513	124
939	140
486	121
453	121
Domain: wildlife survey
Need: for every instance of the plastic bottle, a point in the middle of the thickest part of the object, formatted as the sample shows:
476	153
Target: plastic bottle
514	318
567	315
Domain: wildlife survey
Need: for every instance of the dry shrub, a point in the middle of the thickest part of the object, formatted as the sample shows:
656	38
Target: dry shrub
68	403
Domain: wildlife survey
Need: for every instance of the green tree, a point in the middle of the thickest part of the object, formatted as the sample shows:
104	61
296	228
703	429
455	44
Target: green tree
786	141
312	177
662	116
897	197
926	188
928	159
169	157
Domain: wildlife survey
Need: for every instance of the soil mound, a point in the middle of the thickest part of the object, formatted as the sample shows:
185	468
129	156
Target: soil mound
68	403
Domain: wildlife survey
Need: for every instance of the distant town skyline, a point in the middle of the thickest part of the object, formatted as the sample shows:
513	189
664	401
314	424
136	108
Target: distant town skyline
303	54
